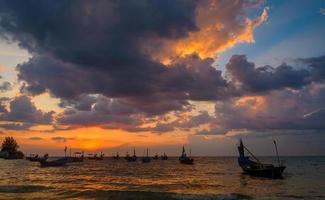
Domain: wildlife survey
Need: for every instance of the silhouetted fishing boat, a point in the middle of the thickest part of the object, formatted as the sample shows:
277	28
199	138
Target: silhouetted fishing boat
256	168
184	159
78	157
146	159
34	158
127	156
53	163
164	157
96	157
156	157
116	157
92	156
132	158
101	157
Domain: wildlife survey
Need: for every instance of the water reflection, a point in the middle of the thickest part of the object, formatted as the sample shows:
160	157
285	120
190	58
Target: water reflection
209	176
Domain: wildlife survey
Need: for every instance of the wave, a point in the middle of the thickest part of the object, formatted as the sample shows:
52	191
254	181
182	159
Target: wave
21	188
144	195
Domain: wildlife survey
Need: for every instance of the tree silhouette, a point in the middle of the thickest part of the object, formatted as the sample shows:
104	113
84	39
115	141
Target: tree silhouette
10	145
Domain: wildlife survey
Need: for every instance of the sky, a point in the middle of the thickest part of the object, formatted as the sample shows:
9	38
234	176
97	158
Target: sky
112	75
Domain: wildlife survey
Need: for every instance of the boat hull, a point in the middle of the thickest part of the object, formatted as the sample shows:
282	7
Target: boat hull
272	172
186	161
132	159
54	163
146	160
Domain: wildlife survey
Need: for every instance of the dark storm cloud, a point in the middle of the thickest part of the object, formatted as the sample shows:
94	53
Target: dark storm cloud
101	47
104	34
16	126
317	66
279	110
152	92
98	58
266	78
23	110
5	86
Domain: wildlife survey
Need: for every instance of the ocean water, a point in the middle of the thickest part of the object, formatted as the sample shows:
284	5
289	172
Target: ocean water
208	178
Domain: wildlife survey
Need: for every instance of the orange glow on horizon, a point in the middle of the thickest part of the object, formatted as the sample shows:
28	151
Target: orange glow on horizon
93	139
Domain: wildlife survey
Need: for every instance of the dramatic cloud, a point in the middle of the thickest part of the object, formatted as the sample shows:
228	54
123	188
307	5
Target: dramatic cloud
222	25
264	78
5	86
127	64
111	47
279	110
22	110
267	78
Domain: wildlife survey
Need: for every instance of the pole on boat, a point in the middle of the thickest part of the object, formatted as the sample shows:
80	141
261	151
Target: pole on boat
276	150
252	155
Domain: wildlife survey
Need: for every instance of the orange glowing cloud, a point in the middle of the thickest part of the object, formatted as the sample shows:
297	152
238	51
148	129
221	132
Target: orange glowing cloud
219	29
254	103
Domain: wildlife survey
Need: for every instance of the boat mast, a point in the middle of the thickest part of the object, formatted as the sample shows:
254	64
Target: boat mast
276	150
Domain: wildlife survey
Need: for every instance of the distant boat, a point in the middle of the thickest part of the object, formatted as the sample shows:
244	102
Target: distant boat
146	159
96	157
101	157
53	163
156	157
34	158
256	168
116	157
184	159
132	158
78	157
164	157
127	156
92	156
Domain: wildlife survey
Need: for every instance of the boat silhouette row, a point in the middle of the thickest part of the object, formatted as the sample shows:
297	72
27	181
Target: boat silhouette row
249	164
79	157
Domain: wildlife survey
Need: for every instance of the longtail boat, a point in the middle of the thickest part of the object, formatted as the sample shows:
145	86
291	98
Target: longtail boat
146	159
164	156
184	159
34	158
116	157
156	157
132	158
78	157
53	163
257	168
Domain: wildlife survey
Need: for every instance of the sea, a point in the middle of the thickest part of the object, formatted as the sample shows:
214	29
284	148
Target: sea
209	178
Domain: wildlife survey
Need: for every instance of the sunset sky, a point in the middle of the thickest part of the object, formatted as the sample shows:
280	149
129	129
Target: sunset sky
112	75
